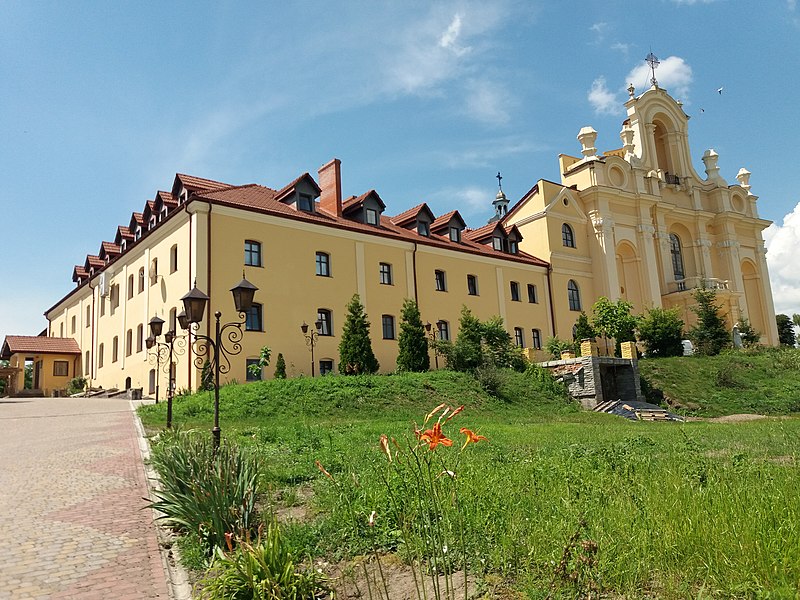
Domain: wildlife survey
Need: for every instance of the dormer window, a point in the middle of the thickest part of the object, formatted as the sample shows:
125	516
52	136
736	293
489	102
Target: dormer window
305	202
497	243
424	228
164	213
152	221
513	248
372	216
455	234
123	245
182	197
107	259
138	233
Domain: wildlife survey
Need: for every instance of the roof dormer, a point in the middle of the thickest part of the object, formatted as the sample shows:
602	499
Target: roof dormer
497	237
136	226
108	252
300	193
450	225
419	219
366	208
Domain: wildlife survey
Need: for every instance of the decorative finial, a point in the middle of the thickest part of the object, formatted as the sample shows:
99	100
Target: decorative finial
631	90
653	61
499	181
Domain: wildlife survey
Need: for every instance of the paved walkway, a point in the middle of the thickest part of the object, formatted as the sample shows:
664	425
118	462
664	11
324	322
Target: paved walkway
72	522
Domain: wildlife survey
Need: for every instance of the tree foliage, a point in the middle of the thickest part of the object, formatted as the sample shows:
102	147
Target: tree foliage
786	335
480	344
355	350
750	337
709	335
256	369
555	346
614	320
413	342
206	377
661	331
280	367
584	329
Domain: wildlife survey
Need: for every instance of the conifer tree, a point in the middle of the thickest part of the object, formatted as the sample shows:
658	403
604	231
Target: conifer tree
280	367
468	349
355	350
413	342
584	329
710	335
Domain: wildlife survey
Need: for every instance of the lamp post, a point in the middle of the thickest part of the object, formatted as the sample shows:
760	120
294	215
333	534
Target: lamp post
215	349
311	339
168	350
432	334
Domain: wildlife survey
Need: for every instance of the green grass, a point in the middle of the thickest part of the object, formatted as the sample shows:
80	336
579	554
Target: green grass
691	510
764	382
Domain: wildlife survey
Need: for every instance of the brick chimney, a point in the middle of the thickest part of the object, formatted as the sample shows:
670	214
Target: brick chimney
330	181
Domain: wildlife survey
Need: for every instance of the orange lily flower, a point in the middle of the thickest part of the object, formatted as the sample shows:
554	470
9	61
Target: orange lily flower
433	412
385	446
472	437
434	437
455	412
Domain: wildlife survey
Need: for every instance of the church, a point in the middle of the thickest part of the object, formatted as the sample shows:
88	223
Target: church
636	222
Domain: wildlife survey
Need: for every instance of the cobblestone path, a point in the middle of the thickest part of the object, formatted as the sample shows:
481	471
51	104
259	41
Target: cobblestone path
72	522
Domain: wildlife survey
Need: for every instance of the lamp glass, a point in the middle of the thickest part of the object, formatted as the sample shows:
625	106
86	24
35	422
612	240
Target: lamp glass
194	304
304	328
150	342
156	324
183	320
243	294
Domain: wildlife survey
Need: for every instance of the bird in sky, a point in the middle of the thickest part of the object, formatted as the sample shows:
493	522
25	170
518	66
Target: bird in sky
719	90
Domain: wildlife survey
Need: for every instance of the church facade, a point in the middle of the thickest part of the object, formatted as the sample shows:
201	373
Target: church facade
637	223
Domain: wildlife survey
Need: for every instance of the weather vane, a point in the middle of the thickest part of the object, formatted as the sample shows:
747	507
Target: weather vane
499	181
653	61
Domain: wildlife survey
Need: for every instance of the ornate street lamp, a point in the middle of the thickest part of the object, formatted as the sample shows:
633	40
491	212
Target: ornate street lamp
214	349
311	339
164	352
432	334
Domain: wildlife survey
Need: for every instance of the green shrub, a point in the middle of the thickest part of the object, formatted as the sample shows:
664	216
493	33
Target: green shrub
355	349
661	330
211	493
709	335
412	343
280	367
555	346
76	385
264	570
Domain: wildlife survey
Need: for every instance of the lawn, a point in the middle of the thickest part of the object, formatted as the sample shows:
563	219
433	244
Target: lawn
653	509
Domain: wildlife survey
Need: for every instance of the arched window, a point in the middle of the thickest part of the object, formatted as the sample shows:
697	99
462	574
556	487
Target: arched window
129	342
173	319
677	257
141	280
139	337
574	295
173	258
567	236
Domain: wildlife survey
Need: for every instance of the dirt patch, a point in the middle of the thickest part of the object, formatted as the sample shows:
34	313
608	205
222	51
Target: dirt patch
392	579
294	507
743	418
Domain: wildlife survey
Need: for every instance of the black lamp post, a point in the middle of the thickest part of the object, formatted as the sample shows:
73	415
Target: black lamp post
214	349
432	334
165	352
311	339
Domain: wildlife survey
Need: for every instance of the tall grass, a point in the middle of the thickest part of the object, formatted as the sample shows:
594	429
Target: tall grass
205	491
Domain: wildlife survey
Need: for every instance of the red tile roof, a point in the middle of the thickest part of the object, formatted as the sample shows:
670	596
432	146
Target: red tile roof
94	261
409	215
192	183
482	233
288	188
262	199
110	248
124	232
442	221
34	344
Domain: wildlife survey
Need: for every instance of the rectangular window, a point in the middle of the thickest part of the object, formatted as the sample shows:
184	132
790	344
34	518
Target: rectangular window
130	286
173	259
497	243
114	297
323	264
86	366
250	376
513	248
519	338
61	368
532	294
114	349
154	271
102	305
325	321
472	285
386	273
455	234
306	203
252	253
536	339
444	330
514	291
129	342
325	367
372	216
139	337
441	281
423	228
254	318
387	321
141	280
88	316
100	353
72	325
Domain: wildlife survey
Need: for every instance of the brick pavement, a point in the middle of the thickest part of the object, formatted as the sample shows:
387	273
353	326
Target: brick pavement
72	484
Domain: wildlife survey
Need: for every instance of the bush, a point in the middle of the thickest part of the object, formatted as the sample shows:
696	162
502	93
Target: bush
76	385
750	337
264	570
481	344
555	346
786	335
661	330
211	493
280	367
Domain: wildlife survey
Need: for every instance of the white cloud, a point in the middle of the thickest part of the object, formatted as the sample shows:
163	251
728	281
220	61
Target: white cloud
599	30
487	101
624	48
486	153
782	242
602	99
450	37
469	200
673	74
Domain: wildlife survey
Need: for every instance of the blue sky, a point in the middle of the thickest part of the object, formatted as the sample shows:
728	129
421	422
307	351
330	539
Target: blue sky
101	103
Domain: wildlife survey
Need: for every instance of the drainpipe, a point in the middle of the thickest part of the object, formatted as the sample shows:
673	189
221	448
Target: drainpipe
550	296
414	267
189	361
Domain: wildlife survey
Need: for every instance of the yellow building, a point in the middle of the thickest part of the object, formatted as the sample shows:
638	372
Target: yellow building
640	223
637	223
53	363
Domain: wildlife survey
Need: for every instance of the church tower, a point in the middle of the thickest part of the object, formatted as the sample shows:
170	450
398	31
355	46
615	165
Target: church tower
500	203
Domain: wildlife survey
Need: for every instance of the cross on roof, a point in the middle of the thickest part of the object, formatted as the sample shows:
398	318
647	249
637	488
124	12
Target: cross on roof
653	61
499	181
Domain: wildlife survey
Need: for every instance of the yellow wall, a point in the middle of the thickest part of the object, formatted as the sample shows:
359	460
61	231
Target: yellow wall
48	381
